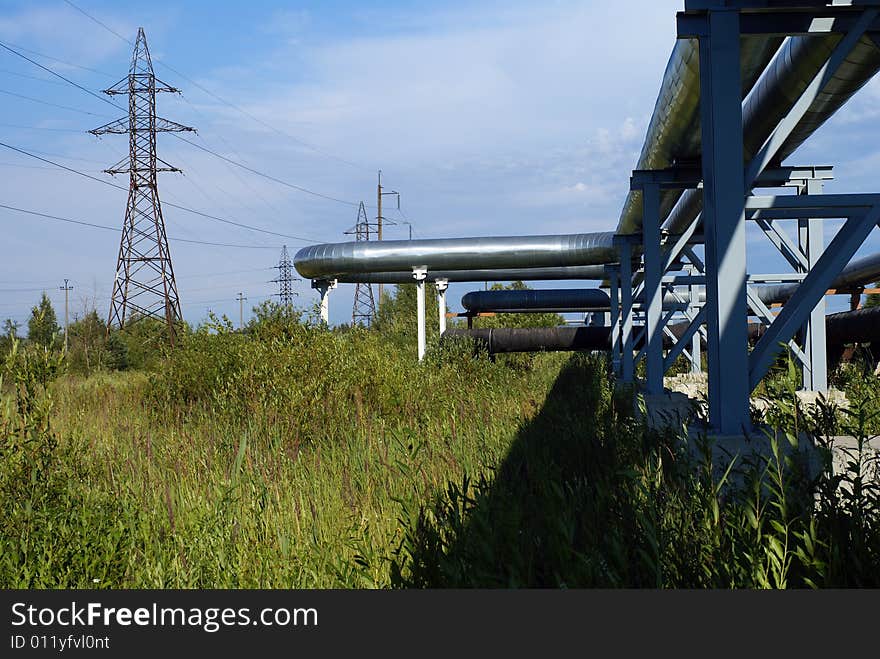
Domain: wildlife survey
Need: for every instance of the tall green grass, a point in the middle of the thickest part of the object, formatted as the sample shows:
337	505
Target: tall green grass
297	456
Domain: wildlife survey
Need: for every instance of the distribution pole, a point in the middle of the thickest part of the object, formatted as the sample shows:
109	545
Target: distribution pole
241	299
379	219
66	288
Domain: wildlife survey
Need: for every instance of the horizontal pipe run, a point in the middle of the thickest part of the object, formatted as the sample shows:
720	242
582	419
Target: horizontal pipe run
575	272
861	326
333	260
537	339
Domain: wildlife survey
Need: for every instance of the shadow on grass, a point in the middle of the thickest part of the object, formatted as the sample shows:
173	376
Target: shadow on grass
556	513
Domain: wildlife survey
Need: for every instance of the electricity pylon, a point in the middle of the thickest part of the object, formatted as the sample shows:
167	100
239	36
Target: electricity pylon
285	278
144	285
364	309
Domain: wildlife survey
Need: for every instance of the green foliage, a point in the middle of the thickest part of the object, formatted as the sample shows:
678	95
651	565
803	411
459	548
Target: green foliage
273	320
10	333
587	497
87	344
43	327
396	317
518	319
295	455
55	531
872	299
144	343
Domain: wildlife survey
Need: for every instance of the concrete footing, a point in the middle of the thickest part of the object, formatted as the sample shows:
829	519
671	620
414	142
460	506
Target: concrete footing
682	408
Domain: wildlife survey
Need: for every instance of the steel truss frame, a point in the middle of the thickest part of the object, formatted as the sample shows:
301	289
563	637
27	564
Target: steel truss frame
730	293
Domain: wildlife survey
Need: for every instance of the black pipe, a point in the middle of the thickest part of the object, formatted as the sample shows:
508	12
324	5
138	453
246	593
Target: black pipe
861	326
530	299
536	339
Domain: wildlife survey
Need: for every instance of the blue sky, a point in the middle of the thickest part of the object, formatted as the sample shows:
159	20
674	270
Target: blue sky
488	117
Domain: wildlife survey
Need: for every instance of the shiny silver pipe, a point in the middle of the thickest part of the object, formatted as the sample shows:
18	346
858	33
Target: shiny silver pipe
333	260
673	133
787	76
579	272
858	273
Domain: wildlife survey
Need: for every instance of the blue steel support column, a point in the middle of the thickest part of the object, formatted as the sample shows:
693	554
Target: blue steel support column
653	288
614	282
696	340
812	242
724	223
626	311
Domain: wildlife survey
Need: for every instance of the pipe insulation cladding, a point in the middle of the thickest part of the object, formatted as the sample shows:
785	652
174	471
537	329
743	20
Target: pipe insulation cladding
582	272
673	133
787	76
335	260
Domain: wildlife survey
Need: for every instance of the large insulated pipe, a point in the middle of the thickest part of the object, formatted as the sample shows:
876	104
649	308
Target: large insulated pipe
536	339
857	274
673	133
575	299
787	76
861	326
555	300
584	272
338	259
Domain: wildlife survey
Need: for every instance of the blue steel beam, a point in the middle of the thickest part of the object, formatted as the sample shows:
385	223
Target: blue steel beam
783	242
653	298
723	214
785	127
626	312
614	282
689	334
812	242
801	304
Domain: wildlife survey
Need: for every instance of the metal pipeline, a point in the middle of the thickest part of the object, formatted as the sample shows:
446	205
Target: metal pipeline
536	339
334	260
787	76
584	272
554	300
575	299
673	133
857	274
861	326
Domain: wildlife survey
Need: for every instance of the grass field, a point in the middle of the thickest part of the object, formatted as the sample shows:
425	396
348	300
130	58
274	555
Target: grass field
294	456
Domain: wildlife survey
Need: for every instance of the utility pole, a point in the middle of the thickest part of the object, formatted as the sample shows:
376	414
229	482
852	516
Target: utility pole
66	288
379	219
144	285
241	299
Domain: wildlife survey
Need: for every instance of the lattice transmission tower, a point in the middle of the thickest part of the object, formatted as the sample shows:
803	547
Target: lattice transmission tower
364	309
285	278
144	285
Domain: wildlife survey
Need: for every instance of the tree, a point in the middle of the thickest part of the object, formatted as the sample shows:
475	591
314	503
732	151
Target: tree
10	332
872	299
43	326
519	319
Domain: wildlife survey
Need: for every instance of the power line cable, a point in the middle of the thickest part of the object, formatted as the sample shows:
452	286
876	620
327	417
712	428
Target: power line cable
172	205
223	100
54	105
117	230
65	79
268	176
198	146
60	61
